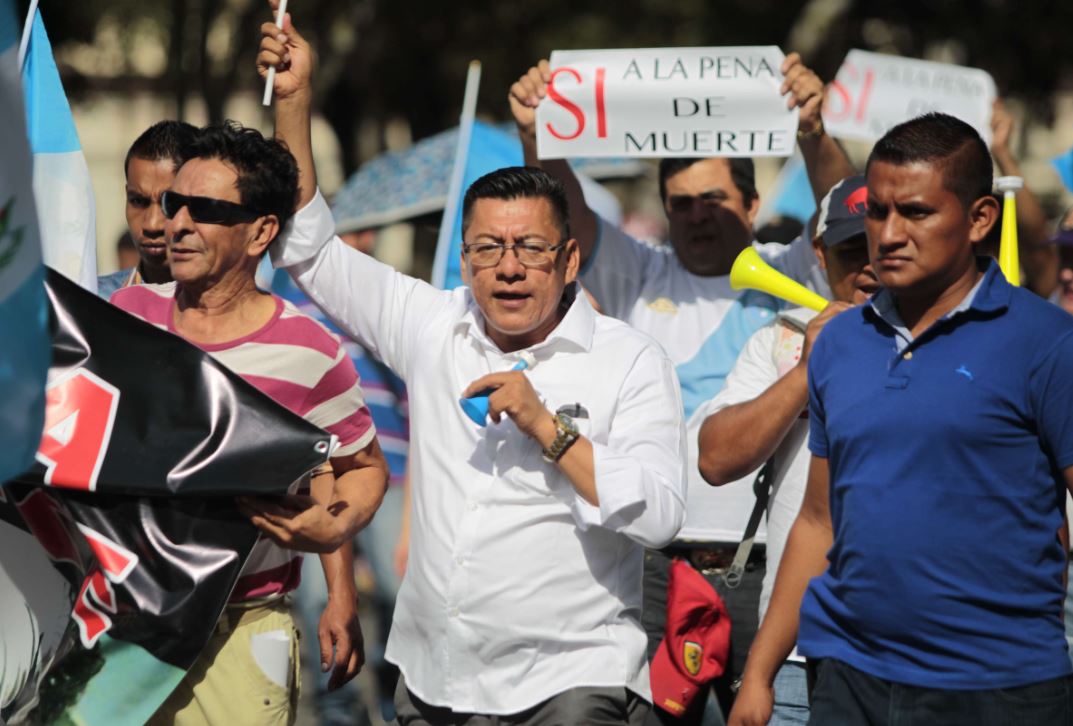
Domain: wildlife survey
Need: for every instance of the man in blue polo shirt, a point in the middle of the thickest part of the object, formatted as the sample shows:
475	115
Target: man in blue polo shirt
926	563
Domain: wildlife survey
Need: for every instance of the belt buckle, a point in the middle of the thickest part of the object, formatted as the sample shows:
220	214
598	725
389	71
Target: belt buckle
711	562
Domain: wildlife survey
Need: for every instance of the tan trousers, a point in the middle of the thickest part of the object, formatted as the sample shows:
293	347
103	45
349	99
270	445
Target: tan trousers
229	684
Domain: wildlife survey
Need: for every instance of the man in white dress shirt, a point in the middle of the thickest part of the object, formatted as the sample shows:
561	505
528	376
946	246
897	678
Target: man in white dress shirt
522	596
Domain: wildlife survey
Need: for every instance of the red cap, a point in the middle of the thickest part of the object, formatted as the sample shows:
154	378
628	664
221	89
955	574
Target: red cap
696	645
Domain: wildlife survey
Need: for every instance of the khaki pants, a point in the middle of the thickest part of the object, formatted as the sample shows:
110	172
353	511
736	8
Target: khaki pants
227	686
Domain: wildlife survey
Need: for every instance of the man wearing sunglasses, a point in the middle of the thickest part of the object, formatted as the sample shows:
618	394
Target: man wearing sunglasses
226	205
522	595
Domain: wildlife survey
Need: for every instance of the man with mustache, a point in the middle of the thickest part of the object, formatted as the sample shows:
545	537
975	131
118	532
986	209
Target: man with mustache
521	601
923	576
680	294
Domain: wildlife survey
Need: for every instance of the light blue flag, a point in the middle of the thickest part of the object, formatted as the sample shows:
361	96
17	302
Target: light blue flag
792	193
65	205
1064	165
489	149
24	339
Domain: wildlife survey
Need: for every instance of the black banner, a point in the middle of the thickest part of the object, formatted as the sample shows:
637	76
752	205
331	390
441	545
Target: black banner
147	440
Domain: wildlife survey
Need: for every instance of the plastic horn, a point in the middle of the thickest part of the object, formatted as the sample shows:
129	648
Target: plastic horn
476	406
1008	261
750	271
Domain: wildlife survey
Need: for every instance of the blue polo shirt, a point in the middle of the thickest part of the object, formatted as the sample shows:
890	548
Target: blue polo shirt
946	492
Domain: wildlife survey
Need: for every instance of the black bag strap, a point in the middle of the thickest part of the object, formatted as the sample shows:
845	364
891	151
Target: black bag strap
762	490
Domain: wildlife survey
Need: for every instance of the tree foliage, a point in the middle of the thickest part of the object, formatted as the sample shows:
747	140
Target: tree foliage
384	59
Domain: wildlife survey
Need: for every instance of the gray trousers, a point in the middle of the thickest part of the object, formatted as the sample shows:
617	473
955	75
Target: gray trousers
588	706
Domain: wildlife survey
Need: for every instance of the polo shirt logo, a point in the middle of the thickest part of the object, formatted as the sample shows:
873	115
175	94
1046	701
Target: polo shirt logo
963	371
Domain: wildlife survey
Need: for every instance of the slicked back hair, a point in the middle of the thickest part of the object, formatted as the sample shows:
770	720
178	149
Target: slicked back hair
948	144
520	182
164	140
267	172
742	173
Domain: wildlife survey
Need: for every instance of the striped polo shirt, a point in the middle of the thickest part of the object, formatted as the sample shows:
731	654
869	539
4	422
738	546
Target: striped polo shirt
298	363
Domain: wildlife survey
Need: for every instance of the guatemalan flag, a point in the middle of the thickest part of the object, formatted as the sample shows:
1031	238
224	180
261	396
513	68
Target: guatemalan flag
65	205
24	339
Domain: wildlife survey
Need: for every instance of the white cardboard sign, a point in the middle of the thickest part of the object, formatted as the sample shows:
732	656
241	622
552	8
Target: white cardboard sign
660	102
874	92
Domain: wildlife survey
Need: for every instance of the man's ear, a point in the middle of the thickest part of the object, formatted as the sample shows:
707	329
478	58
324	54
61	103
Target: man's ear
463	267
573	260
265	230
820	250
753	210
983	214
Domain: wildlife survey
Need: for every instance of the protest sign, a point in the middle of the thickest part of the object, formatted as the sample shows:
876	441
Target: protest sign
874	92
661	102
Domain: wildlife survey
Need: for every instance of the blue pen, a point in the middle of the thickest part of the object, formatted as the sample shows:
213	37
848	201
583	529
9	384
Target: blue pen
476	406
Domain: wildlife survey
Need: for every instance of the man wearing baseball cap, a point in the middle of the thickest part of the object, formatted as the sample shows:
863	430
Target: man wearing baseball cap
1063	242
761	414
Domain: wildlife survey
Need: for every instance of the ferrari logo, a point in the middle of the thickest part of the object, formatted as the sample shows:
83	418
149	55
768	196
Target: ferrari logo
691	654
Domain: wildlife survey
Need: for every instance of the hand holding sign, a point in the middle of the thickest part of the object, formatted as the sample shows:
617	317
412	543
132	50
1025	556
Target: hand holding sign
524	97
806	93
661	102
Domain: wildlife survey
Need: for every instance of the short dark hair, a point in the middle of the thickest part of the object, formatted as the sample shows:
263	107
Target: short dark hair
742	173
164	140
948	144
267	172
520	182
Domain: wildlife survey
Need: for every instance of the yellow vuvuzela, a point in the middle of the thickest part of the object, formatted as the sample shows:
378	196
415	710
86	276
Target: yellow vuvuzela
750	271
1008	261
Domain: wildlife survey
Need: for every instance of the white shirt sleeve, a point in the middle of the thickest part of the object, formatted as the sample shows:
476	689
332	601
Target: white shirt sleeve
379	307
797	260
615	273
640	472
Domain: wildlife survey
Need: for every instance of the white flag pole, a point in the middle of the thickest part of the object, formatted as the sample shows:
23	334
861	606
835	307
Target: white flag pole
454	189
27	30
271	78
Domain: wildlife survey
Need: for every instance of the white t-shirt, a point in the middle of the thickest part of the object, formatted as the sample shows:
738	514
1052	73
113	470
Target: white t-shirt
703	325
768	356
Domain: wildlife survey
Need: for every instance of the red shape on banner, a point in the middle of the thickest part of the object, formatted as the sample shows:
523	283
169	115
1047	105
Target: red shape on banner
93	622
79	412
116	561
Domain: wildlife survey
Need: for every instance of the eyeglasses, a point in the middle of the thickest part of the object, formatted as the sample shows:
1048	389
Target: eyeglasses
530	254
206	210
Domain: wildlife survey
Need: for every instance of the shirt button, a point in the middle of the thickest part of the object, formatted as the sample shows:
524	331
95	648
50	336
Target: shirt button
454	612
908	355
459	560
473	506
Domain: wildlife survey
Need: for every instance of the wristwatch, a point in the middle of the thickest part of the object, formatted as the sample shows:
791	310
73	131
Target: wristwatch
567	435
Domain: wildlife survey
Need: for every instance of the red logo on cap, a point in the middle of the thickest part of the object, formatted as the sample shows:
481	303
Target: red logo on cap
857	203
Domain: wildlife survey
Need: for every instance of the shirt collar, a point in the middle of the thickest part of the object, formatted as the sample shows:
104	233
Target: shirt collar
574	330
991	293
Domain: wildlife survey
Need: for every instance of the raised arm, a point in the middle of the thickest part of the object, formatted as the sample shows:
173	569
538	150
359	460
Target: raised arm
1039	260
292	57
379	307
525	95
825	159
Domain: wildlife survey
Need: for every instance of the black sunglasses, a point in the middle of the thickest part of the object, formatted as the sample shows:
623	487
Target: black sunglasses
206	210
